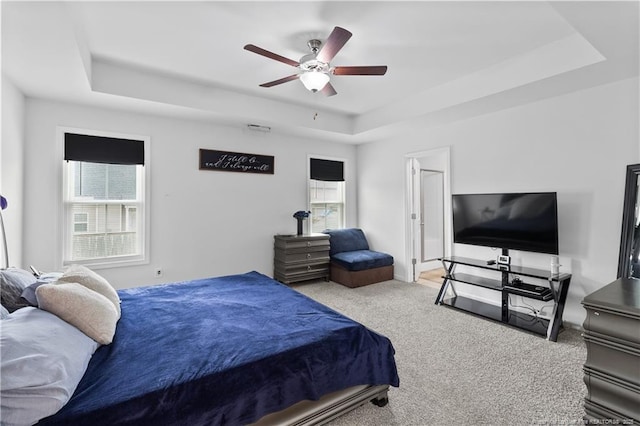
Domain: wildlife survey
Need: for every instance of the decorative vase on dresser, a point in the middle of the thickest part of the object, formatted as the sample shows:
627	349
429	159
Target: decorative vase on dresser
612	337
300	257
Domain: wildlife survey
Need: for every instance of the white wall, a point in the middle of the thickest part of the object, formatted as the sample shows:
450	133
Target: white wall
577	145
203	223
11	169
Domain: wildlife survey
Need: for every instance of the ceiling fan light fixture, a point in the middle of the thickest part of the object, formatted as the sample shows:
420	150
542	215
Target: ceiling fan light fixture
315	67
314	80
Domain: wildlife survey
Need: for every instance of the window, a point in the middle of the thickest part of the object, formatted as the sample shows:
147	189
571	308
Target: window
104	200
326	205
80	222
326	194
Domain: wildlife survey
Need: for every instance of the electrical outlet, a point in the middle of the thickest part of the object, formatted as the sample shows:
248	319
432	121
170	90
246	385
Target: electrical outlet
158	272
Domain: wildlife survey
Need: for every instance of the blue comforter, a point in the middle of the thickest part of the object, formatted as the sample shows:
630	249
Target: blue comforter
222	351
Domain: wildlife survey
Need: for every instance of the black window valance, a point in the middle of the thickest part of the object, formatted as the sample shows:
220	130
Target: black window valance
327	170
100	149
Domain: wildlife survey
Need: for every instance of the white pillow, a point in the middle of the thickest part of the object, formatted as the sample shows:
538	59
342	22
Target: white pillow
89	311
82	275
43	360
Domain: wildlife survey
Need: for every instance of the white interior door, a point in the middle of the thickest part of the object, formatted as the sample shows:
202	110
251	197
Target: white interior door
431	215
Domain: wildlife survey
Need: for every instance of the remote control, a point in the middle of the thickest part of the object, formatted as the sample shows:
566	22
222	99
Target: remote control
35	272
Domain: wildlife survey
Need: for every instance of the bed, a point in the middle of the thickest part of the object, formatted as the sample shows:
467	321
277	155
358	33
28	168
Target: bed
227	351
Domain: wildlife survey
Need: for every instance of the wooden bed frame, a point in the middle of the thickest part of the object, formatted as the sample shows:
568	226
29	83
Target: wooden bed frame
327	408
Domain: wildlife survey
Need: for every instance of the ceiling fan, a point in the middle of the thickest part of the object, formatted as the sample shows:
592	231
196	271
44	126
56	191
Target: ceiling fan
315	67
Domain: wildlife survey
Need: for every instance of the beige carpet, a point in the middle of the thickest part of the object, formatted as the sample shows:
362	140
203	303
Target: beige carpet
458	369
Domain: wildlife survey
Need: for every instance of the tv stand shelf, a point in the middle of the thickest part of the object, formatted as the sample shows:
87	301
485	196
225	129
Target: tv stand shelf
478	281
556	293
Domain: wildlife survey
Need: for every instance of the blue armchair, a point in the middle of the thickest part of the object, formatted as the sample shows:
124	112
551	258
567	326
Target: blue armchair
352	263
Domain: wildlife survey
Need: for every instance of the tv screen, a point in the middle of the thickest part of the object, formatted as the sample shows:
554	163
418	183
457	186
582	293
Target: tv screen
518	221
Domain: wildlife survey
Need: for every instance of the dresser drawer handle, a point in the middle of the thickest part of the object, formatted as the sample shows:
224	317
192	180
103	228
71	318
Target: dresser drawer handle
596	314
308	268
308	243
308	255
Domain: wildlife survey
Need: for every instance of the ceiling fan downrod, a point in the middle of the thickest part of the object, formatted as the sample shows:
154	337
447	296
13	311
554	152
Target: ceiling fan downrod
314	45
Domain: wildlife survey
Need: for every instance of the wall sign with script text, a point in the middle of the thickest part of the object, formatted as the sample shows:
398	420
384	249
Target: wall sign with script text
226	161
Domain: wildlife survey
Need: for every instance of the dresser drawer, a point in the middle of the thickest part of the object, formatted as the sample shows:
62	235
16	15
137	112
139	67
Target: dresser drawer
303	250
302	244
289	274
302	257
614	324
297	268
617	395
612	358
301	276
596	414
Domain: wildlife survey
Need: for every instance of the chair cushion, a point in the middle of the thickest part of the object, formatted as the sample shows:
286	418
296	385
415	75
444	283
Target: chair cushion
359	260
344	240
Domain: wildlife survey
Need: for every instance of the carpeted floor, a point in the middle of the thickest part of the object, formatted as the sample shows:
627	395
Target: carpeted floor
456	368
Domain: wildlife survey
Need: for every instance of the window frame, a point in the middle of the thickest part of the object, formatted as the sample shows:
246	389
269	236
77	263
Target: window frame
344	161
66	218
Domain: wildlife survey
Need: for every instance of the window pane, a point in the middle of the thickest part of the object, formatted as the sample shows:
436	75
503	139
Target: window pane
105	234
103	230
325	191
326	201
80	222
326	216
131	218
104	181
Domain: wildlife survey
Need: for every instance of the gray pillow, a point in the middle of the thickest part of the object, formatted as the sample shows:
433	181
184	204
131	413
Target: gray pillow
13	281
29	293
43	360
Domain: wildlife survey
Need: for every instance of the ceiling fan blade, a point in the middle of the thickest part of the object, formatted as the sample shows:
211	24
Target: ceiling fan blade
328	90
370	70
335	41
280	81
271	55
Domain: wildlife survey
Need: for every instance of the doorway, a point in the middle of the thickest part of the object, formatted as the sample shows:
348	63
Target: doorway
429	212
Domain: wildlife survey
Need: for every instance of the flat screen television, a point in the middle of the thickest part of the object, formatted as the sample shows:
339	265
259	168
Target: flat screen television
518	221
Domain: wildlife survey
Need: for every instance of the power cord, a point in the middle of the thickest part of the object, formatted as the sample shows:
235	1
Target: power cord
525	306
536	312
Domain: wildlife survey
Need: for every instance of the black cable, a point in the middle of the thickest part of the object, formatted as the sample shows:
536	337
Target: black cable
530	319
535	313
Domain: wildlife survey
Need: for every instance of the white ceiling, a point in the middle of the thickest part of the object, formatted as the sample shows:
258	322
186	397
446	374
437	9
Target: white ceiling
447	60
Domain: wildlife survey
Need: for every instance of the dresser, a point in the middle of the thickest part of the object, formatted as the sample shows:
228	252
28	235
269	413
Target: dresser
612	337
300	257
